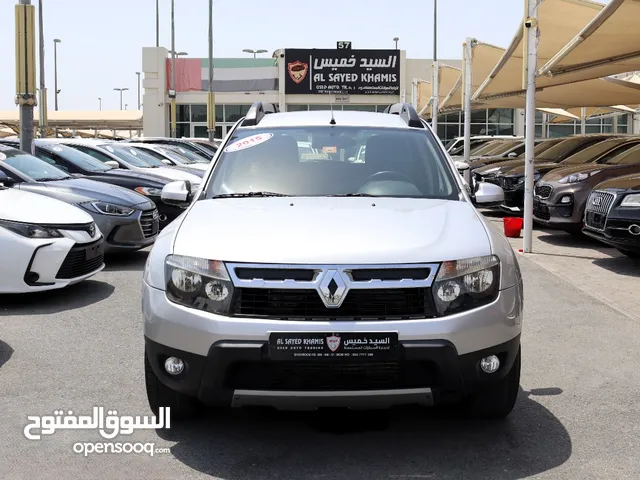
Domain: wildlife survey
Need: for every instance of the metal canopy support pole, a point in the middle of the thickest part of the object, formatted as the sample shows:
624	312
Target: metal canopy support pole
545	121
157	23
25	70
468	85
173	71
42	116
583	120
211	101
531	24
435	71
414	93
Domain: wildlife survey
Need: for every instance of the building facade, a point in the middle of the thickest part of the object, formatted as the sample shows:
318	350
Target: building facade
315	79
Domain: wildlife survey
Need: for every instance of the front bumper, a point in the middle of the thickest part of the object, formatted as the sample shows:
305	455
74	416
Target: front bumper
616	232
134	232
228	364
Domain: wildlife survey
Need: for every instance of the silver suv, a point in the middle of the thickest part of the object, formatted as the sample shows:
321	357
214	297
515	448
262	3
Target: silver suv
334	280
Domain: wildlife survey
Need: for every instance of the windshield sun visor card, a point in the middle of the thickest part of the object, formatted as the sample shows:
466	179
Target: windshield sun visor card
248	142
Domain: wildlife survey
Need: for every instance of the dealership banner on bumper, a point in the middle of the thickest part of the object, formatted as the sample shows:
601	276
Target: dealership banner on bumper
352	72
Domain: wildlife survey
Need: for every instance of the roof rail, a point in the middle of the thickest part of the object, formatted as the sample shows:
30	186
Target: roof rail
257	111
407	113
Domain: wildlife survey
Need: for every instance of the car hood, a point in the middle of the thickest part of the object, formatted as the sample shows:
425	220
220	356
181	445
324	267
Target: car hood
628	182
193	171
146	179
326	230
500	166
559	173
38	209
79	190
175	174
541	168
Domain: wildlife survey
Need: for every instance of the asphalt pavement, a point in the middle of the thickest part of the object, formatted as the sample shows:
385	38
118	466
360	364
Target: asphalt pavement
577	416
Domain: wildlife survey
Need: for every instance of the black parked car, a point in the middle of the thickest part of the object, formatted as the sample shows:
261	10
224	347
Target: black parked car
79	164
612	214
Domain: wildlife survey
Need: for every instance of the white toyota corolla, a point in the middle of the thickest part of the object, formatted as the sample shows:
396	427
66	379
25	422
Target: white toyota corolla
45	243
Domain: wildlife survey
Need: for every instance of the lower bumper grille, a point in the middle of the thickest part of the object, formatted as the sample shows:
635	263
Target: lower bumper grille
150	223
374	304
82	260
268	375
541	211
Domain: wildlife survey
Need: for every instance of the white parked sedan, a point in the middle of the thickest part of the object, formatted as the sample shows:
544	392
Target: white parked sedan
45	243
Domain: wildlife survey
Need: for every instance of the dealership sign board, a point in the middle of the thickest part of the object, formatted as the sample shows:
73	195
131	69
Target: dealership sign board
342	72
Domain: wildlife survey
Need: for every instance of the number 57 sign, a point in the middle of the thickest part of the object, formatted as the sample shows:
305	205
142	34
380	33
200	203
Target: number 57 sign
344	45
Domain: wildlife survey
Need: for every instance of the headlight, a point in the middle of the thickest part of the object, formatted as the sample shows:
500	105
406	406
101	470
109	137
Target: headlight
198	283
149	191
632	200
107	208
577	177
465	284
30	230
536	177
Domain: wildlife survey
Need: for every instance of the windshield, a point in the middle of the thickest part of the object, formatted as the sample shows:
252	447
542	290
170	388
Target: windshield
79	159
31	166
631	157
592	152
209	148
562	150
505	148
171	155
397	163
194	157
132	156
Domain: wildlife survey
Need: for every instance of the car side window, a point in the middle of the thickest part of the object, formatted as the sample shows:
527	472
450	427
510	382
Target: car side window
94	153
51	160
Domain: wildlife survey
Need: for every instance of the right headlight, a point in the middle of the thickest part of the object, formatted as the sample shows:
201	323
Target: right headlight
632	200
149	191
465	284
30	230
198	283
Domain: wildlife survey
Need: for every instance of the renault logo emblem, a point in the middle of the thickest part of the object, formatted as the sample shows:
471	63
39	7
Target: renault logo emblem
332	289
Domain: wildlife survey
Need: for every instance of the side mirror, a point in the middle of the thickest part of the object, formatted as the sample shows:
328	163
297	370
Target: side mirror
177	193
167	162
5	180
488	194
465	171
512	155
112	164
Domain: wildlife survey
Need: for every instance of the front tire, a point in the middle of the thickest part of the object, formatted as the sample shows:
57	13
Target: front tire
159	395
497	400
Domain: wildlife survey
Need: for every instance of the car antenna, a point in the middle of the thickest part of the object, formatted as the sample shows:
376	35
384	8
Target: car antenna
333	120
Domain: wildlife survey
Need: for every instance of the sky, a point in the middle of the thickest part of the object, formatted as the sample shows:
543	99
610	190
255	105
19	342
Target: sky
101	41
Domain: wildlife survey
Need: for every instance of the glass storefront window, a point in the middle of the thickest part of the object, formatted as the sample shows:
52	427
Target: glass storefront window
297	108
559	130
182	113
500	115
200	131
360	108
479	116
319	107
183	130
198	113
219	113
233	113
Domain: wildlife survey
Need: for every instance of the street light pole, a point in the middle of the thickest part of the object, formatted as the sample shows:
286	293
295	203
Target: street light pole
211	103
56	41
100	102
25	71
43	89
254	52
436	80
138	74
121	90
157	23
395	39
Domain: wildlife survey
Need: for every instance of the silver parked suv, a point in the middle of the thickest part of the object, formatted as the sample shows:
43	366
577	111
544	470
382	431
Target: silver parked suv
303	281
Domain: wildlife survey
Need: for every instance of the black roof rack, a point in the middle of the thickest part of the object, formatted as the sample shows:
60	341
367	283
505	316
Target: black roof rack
407	113
257	111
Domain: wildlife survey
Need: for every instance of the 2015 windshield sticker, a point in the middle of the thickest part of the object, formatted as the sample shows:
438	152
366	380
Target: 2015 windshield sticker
248	142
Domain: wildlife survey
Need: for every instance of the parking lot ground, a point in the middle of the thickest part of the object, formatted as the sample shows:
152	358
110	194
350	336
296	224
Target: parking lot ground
576	416
589	265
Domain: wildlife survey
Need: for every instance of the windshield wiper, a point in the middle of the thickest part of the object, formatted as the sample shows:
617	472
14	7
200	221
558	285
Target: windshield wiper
250	194
353	195
52	179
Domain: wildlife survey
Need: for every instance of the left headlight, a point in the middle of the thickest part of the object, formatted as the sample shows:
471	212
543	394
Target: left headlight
107	208
30	230
577	177
198	283
465	284
632	200
149	191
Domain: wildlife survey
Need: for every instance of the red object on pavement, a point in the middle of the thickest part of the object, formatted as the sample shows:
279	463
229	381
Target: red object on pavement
512	226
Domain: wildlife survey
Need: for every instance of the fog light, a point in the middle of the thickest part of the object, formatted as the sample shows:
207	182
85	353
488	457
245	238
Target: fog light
173	366
490	364
565	199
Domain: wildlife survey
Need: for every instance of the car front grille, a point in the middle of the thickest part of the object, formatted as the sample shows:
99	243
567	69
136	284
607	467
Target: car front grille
597	209
541	211
509	183
543	191
76	264
359	304
300	376
150	223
